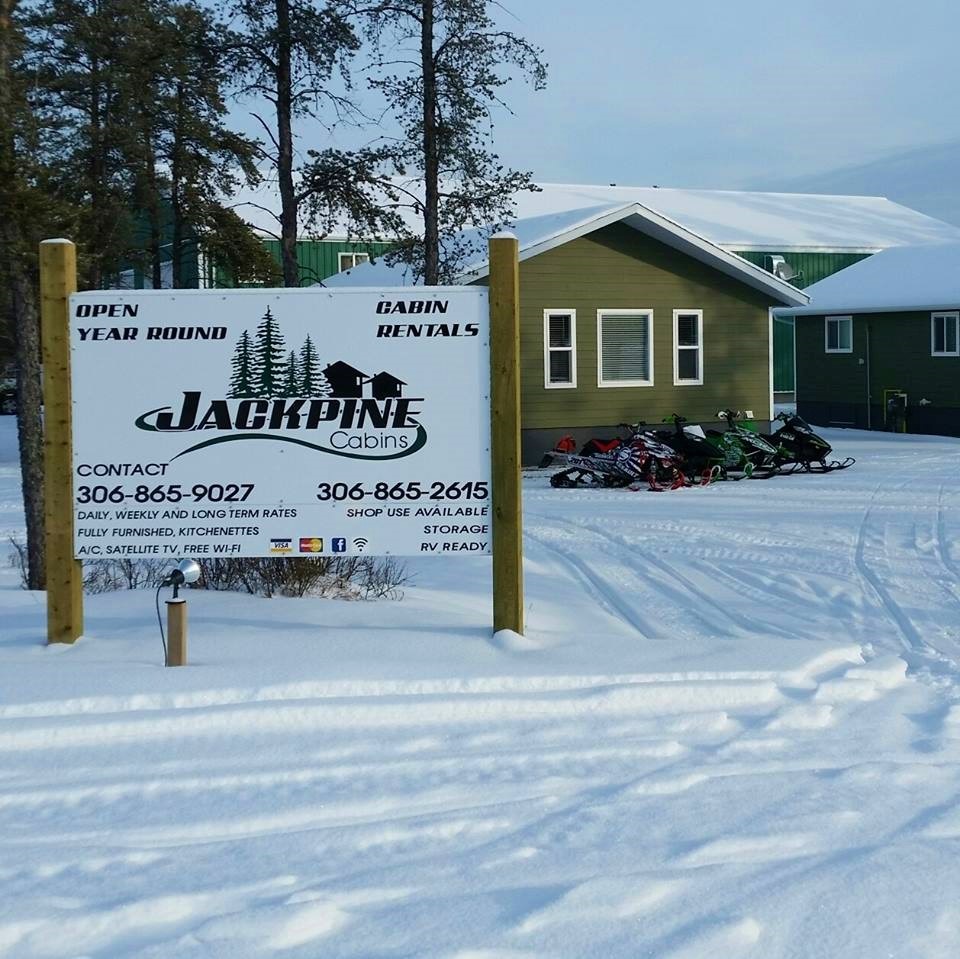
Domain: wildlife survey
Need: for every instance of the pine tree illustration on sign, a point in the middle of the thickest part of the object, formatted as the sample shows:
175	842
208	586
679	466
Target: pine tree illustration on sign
260	367
242	369
268	353
291	376
312	380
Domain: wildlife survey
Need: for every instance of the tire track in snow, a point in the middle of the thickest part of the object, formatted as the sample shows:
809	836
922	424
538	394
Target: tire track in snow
596	585
924	568
908	633
943	548
654	571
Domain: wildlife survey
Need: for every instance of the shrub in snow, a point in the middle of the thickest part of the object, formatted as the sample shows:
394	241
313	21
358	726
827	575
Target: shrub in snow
343	577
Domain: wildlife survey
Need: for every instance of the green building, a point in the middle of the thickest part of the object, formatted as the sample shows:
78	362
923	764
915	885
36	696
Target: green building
317	260
801	238
878	346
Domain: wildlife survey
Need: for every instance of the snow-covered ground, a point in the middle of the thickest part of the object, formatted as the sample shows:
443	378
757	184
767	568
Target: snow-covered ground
732	730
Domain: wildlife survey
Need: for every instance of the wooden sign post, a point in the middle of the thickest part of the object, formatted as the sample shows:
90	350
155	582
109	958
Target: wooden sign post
507	523
58	279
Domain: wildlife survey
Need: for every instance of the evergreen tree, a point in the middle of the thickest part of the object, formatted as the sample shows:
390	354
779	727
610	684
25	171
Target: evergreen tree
310	373
269	357
242	365
20	203
78	61
206	160
441	66
140	142
295	54
291	378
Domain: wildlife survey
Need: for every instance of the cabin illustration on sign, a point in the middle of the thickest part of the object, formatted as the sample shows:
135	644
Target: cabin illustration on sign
386	385
344	379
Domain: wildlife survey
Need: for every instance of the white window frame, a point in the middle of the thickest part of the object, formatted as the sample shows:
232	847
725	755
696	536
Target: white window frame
677	347
946	315
341	257
826	333
628	383
571	349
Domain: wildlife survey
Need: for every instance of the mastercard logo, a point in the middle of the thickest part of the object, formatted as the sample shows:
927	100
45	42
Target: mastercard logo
311	544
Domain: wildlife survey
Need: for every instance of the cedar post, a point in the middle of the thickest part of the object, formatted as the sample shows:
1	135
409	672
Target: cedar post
507	528
58	279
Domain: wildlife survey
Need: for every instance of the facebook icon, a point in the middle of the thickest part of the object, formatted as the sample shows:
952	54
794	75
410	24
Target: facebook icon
338	544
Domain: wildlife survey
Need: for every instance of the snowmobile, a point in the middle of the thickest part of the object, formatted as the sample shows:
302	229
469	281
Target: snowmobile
616	463
801	450
743	450
700	458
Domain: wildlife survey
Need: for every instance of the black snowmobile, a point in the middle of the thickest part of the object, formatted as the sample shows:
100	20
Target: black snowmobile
615	463
701	459
801	450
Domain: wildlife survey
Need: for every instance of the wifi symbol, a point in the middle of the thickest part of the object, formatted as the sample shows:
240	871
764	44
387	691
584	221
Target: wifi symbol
360	544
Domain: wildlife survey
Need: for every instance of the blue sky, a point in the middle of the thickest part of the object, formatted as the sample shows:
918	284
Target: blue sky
735	94
730	95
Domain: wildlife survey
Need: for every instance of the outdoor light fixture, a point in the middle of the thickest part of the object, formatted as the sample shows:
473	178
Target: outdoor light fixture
185	572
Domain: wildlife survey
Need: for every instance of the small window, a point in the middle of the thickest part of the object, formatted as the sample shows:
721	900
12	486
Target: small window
944	340
347	260
625	347
559	349
839	334
687	347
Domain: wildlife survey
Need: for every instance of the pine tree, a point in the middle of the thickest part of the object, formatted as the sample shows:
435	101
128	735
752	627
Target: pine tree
294	54
268	354
310	373
291	378
242	377
444	96
24	217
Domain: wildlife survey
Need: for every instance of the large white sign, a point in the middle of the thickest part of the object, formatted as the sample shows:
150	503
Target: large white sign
281	422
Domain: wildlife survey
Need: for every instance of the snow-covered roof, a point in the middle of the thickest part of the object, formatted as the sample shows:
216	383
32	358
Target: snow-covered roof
904	278
538	234
735	220
760	221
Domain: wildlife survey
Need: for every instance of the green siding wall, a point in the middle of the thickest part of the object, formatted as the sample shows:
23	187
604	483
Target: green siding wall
317	259
813	267
899	360
619	268
783	355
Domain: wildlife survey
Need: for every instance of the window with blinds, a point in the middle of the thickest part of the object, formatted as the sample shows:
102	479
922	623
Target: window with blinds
625	347
559	349
687	347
